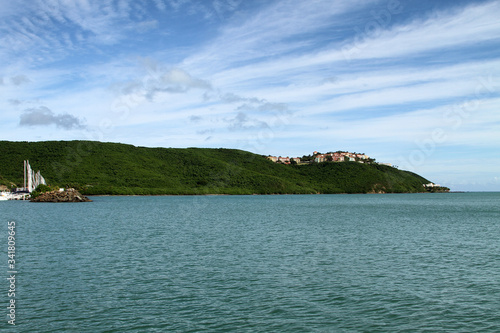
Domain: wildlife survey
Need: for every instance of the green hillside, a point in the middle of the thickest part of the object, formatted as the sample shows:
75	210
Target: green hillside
112	168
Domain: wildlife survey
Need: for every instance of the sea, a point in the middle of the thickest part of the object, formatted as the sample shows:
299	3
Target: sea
277	263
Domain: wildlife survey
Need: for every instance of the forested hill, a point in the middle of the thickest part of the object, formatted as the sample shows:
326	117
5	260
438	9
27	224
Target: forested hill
113	168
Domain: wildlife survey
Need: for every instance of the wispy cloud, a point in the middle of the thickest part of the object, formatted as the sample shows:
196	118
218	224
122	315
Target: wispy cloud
271	34
56	28
462	26
468	27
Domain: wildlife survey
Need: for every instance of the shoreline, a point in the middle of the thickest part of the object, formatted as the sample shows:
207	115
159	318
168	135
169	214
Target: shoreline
254	194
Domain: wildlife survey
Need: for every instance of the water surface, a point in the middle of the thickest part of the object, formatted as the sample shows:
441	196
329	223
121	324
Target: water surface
293	263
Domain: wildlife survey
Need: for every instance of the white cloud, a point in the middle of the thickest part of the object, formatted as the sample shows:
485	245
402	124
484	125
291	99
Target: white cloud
19	80
467	26
43	116
277	30
86	25
160	4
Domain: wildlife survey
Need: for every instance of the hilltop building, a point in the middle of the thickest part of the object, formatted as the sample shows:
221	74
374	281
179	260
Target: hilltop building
339	156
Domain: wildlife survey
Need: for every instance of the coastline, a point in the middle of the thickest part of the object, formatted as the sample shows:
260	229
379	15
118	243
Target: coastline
119	169
254	194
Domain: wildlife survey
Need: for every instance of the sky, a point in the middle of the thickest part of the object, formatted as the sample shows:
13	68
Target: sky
411	83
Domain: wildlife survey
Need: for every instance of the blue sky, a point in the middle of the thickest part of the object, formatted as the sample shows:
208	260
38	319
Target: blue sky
412	83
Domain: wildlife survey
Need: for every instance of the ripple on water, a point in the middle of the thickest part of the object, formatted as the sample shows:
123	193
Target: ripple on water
261	263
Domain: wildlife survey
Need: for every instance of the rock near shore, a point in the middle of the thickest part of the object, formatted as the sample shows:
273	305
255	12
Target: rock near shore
69	195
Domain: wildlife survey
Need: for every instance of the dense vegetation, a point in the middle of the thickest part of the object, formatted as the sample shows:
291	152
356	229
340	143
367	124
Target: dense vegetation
42	189
4	182
113	168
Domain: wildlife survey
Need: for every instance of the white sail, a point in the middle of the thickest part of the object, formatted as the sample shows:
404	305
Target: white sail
42	180
33	179
30	177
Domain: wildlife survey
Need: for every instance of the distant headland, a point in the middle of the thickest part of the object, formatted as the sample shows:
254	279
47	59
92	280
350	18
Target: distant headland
98	168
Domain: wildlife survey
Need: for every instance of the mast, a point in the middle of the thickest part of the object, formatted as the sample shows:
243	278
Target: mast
30	176
25	175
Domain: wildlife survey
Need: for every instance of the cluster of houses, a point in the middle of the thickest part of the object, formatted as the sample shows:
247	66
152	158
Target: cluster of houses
284	160
340	156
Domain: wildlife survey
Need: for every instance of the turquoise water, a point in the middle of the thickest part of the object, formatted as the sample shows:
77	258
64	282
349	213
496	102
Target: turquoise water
312	263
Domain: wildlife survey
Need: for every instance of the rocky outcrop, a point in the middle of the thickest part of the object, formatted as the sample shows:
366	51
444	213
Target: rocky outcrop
69	195
437	189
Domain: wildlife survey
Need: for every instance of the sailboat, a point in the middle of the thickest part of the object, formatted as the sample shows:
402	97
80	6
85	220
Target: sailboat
31	182
4	196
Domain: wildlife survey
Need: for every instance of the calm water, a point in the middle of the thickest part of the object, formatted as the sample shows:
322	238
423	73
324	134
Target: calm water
317	263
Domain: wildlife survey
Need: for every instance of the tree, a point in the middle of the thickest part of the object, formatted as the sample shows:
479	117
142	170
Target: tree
41	189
